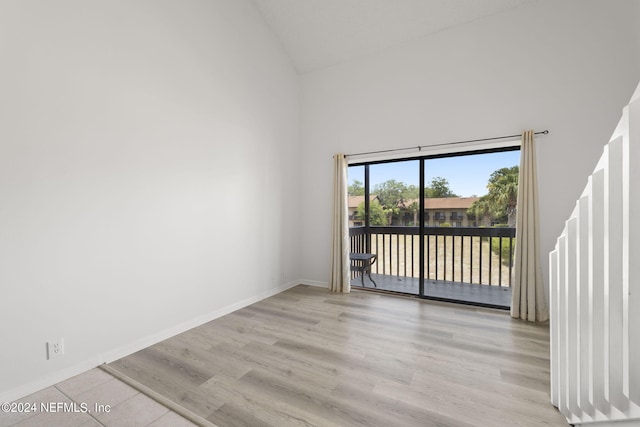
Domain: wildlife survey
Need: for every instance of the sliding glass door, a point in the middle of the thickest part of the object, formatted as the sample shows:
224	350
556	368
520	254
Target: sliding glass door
438	227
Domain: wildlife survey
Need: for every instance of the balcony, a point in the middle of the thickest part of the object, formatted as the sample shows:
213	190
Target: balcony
467	264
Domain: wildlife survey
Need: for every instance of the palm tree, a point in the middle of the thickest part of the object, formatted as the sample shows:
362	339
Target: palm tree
503	191
482	209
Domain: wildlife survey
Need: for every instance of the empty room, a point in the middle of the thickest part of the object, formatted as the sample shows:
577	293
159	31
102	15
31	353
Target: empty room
319	212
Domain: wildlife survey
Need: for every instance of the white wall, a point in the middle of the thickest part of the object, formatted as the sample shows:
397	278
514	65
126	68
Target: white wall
636	16
564	66
146	153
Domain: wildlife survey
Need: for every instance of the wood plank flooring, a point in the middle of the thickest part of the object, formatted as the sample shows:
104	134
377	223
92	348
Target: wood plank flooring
308	357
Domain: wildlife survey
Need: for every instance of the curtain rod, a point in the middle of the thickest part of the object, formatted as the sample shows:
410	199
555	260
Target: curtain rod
420	147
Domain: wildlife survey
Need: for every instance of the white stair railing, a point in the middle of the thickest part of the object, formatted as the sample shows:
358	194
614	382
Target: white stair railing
595	289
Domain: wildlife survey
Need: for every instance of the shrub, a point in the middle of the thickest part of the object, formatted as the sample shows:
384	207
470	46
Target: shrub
506	248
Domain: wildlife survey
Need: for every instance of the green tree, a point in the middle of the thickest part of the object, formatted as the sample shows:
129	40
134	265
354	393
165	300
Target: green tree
503	192
414	208
501	201
377	214
356	189
392	195
412	192
390	212
439	188
482	210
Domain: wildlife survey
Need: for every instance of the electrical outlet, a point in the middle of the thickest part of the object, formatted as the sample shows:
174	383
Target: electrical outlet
55	348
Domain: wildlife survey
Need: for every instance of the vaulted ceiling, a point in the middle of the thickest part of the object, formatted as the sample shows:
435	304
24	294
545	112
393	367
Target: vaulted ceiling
321	33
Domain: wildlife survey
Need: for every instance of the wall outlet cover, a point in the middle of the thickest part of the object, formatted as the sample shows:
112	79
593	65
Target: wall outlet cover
55	348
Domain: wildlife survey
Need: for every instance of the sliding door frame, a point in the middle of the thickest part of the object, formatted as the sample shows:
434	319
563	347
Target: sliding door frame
421	216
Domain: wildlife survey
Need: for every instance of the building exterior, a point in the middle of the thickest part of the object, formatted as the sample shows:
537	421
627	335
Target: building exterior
441	210
438	211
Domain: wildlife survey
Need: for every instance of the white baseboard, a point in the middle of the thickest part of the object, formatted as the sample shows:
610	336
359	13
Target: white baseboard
635	422
150	340
314	283
120	352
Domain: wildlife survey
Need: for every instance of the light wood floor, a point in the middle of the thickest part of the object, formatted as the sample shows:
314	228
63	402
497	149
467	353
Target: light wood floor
310	357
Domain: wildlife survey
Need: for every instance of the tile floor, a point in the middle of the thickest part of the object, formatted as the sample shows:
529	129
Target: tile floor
126	406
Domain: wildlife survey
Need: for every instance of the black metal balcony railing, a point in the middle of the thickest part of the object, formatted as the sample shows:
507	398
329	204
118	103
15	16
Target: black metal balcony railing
458	254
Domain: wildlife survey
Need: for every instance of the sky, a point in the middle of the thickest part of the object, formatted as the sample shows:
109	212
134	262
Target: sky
467	175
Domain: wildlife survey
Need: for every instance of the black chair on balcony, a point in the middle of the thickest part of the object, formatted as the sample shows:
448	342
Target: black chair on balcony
361	263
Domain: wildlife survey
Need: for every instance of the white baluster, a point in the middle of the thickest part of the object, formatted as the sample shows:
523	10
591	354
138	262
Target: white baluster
595	289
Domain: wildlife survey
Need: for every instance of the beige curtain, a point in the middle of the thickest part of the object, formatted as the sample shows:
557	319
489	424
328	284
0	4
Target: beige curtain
528	299
340	280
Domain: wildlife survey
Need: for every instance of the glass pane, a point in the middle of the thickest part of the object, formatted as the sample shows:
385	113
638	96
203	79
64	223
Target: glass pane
470	203
469	215
356	195
394	213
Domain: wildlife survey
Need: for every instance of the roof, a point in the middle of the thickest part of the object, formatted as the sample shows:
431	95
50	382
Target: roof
354	201
450	202
430	203
446	202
